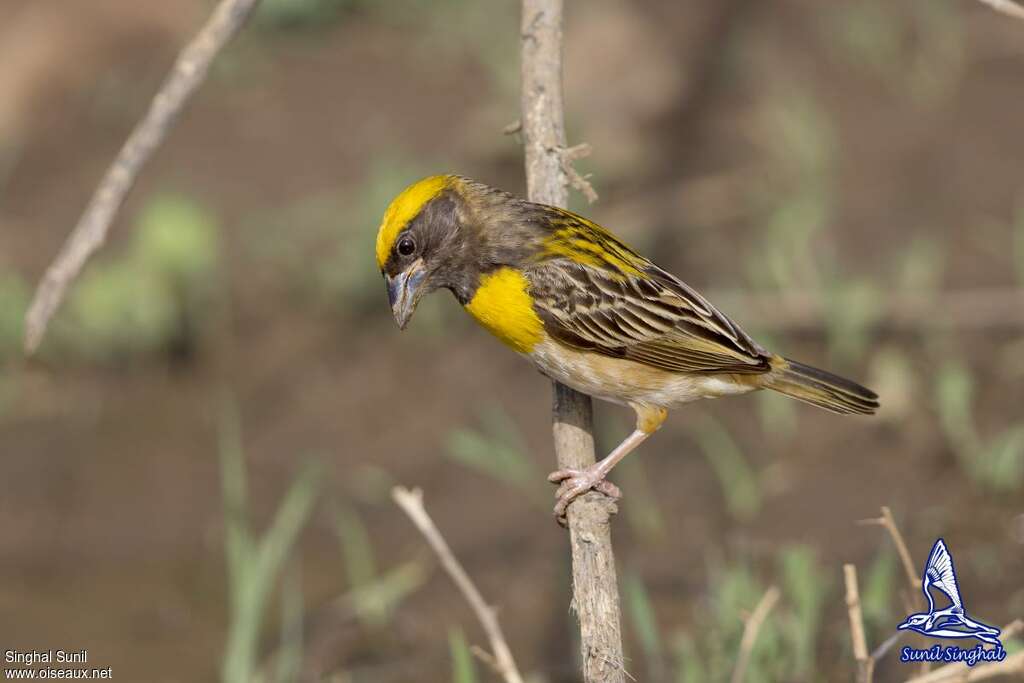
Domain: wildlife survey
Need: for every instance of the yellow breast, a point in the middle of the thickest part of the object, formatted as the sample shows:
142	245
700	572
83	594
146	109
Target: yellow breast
503	306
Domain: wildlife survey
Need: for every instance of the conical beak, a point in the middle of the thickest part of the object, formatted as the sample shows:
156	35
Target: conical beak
404	292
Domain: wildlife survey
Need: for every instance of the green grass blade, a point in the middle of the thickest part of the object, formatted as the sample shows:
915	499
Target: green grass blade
380	597
645	622
288	664
955	393
291	517
878	592
360	563
643	512
463	665
1005	458
737	480
253	580
689	667
237	537
498	450
806	588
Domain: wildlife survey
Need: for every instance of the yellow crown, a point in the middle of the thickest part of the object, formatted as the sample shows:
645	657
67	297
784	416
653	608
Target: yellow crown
404	208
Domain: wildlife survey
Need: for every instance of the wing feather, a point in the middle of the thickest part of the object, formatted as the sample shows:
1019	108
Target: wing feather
939	572
642	314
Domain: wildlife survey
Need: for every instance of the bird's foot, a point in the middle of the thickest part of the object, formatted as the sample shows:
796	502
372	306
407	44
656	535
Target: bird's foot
574	483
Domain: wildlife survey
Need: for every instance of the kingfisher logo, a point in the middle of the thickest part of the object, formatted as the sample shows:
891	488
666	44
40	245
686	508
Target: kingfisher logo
950	621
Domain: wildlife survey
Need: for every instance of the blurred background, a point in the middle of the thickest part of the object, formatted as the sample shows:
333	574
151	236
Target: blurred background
195	471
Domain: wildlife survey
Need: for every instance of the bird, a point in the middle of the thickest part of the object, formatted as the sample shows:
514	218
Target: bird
951	621
586	309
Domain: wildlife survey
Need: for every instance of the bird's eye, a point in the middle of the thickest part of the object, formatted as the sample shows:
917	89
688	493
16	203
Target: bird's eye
406	246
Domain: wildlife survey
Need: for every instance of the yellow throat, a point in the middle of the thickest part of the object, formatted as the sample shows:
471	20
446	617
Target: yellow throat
503	306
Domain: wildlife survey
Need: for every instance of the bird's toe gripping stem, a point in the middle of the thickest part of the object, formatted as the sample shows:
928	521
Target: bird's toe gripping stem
575	482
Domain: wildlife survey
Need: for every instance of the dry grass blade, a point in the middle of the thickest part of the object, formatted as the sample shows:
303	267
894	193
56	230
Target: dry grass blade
960	673
411	503
1007	7
889	523
1012	629
90	233
883	649
579	182
865	665
750	631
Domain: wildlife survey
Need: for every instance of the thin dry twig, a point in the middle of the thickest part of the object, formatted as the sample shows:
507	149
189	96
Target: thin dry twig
486	657
865	665
90	233
958	671
1007	7
411	503
581	183
961	673
889	523
750	631
887	644
1012	629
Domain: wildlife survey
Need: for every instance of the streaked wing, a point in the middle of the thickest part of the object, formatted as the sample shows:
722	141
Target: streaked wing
939	570
640	313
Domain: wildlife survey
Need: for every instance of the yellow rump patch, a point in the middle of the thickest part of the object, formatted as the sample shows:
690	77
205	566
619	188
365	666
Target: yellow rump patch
504	307
404	208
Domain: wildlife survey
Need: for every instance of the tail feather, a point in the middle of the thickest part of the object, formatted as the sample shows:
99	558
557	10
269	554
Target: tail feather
820	388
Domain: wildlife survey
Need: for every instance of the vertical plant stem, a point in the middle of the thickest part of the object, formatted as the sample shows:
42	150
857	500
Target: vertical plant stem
860	647
595	588
750	631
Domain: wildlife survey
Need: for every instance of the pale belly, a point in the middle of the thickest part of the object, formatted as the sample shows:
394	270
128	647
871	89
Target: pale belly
628	382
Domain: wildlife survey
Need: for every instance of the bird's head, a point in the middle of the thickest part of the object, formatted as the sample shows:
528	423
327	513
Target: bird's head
914	621
442	232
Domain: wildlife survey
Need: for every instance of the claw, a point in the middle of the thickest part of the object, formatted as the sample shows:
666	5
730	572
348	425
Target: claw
575	483
561	475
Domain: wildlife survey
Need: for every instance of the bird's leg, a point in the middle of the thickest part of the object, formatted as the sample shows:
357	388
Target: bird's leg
575	482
